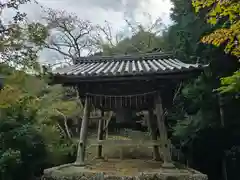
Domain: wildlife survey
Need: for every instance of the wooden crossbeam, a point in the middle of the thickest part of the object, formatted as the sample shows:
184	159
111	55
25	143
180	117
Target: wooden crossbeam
121	143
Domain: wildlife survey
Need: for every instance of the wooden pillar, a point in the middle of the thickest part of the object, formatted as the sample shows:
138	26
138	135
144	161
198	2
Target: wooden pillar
152	130
100	134
83	135
106	122
167	161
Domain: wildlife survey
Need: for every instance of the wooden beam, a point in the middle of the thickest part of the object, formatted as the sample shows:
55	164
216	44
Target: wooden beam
150	118
167	161
100	134
83	135
131	142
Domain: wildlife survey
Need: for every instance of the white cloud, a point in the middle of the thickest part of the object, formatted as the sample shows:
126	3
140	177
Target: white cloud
114	11
98	11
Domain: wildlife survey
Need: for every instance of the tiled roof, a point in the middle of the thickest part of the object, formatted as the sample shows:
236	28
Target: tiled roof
125	65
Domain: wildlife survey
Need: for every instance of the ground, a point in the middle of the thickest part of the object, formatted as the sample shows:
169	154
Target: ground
137	163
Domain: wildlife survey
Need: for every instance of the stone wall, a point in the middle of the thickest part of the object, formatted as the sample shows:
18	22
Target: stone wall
71	172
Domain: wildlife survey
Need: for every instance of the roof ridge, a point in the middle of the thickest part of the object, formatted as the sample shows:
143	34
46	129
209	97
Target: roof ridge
131	57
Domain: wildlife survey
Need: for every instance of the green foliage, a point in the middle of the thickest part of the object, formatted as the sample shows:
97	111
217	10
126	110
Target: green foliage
228	11
31	139
10	162
231	84
59	150
20	42
142	41
183	36
54	101
22	147
195	118
37	33
228	34
200	109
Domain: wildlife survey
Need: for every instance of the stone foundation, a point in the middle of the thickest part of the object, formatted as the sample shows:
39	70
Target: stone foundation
108	171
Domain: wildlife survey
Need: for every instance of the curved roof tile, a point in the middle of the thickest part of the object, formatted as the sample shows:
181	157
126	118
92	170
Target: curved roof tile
153	63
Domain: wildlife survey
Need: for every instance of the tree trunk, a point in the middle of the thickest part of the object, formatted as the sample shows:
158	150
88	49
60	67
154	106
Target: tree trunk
221	111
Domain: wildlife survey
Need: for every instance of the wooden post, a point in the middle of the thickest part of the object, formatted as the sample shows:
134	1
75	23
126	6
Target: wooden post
150	118
106	130
100	134
167	162
83	135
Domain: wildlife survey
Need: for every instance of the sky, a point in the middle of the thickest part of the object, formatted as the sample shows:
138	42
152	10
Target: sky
98	11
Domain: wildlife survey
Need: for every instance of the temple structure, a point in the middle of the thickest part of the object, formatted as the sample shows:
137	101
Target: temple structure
127	83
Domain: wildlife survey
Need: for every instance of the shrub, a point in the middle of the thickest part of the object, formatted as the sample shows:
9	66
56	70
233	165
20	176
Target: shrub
22	150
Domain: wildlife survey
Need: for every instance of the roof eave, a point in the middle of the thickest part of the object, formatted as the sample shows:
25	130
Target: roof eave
70	79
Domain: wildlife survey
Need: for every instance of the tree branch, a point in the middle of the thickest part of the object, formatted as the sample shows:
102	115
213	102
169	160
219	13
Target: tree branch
65	124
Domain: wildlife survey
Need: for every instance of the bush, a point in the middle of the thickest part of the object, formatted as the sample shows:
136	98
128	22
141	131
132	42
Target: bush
28	144
22	150
59	149
28	147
